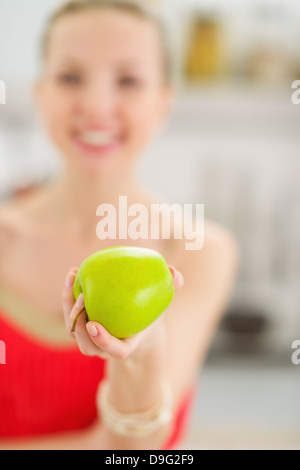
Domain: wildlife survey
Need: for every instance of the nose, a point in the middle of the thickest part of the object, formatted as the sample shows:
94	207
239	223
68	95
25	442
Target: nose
98	100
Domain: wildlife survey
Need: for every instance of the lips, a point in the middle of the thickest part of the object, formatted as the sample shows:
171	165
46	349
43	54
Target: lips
97	142
97	138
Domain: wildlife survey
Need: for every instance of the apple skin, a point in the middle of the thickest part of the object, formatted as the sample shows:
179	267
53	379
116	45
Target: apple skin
125	288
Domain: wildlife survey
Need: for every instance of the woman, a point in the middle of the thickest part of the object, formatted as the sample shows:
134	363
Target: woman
104	91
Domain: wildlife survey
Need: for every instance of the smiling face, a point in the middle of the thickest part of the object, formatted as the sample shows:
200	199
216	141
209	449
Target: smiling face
103	95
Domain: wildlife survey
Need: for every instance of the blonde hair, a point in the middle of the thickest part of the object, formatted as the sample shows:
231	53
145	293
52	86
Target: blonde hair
142	9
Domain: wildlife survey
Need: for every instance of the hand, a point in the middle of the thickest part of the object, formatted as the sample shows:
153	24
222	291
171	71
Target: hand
92	338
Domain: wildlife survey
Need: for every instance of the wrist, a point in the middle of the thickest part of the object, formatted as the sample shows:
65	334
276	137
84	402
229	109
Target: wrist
153	344
134	383
149	355
138	423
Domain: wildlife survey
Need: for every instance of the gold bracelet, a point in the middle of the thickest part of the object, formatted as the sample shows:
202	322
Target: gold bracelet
137	424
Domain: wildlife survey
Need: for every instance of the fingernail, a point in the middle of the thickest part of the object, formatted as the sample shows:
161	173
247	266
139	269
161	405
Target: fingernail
80	301
92	330
180	281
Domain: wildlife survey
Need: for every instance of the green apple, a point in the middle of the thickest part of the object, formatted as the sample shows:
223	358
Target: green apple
125	288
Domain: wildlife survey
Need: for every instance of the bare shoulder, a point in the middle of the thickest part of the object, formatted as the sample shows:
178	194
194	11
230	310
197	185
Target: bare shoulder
16	213
8	215
219	251
196	244
209	277
10	211
8	224
14	224
219	237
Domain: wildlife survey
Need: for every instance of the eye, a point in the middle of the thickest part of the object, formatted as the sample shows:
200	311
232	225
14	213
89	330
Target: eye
129	82
69	79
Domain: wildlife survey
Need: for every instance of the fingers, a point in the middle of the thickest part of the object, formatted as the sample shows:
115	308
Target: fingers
68	296
92	338
112	346
84	341
76	311
120	348
177	278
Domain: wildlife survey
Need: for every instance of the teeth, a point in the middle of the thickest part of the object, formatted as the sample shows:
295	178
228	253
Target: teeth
97	138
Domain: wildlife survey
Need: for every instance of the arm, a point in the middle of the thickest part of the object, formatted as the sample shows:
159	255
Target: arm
135	376
190	323
178	343
192	320
136	368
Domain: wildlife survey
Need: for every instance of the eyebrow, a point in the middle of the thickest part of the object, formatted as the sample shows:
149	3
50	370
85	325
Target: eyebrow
71	61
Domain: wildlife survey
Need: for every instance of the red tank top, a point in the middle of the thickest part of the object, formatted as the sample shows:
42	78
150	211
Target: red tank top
45	389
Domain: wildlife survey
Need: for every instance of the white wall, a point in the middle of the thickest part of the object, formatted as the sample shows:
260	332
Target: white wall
21	24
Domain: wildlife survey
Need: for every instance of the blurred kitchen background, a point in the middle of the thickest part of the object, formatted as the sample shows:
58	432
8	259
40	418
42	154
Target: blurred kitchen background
233	144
